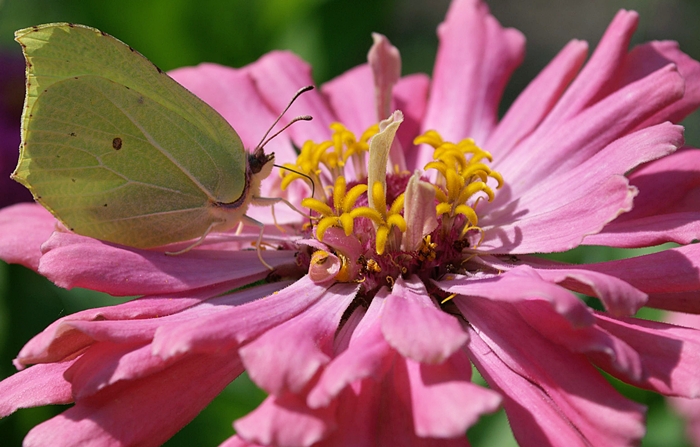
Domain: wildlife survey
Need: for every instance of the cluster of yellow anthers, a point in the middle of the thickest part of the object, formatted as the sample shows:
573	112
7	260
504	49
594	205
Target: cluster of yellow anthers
460	180
334	154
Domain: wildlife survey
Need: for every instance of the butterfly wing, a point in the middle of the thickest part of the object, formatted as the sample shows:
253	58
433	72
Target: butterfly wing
115	148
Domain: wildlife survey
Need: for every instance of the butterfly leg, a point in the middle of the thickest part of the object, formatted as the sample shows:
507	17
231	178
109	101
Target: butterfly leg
251	221
195	243
271	201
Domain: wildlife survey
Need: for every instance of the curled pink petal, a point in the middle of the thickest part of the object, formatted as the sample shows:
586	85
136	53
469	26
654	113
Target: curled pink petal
302	345
285	421
23	228
522	284
35	386
414	326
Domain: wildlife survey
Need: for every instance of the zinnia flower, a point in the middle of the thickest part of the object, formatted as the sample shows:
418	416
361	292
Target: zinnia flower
417	263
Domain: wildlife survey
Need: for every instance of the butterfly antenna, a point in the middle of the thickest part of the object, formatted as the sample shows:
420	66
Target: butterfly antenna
266	140
298	118
311	181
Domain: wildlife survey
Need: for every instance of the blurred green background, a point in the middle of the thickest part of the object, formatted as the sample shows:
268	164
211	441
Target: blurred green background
333	35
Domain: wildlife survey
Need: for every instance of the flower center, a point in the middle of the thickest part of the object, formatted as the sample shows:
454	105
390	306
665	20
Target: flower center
402	223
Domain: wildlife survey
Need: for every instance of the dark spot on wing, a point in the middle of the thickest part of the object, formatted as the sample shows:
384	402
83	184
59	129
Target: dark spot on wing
132	50
103	33
157	68
104	204
140	100
72	180
117	143
72	134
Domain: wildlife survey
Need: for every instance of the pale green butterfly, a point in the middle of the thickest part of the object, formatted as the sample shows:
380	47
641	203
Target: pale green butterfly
117	150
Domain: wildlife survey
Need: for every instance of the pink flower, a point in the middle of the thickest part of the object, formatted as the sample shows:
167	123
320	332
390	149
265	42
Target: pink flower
365	332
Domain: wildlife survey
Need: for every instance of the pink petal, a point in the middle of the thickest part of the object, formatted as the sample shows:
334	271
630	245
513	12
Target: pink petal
414	326
607	351
664	211
34	387
653	55
562	228
411	97
278	75
618	297
564	194
144	412
670	354
475	58
594	81
286	421
521	284
234	326
385	61
131	322
537	100
23	228
614	160
286	357
669	277
552	396
445	402
76	261
105	364
381	413
368	355
351	97
572	142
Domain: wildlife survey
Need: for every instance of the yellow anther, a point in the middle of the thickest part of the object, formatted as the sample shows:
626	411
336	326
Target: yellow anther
365	211
379	197
469	213
382	237
472	189
448	298
460	178
316	205
443	208
324	224
332	154
339	192
397	206
347	222
430	137
352	196
396	220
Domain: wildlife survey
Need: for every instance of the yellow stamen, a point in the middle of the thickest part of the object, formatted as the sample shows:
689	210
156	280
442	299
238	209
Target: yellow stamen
461	178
